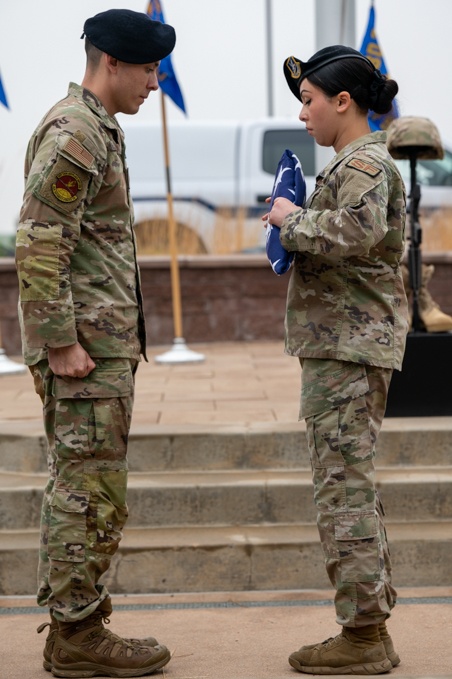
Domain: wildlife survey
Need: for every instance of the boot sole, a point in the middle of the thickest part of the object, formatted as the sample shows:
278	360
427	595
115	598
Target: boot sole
366	668
83	670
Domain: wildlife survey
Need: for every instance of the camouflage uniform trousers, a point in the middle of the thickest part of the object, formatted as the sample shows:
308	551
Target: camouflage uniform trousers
84	508
344	405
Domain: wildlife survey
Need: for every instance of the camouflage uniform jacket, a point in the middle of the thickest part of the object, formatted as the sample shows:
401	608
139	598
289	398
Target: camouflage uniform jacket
346	299
75	248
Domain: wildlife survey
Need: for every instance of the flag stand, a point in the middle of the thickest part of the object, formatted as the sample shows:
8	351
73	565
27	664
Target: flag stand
8	367
179	353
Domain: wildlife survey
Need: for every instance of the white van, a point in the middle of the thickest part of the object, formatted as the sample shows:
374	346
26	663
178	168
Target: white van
222	171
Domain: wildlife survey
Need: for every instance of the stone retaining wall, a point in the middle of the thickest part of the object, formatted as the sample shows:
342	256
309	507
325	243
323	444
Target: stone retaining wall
233	298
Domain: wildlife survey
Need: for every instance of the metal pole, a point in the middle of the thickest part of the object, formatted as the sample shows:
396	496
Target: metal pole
334	25
179	352
268	24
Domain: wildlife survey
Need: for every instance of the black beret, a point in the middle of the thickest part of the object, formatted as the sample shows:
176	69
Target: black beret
130	36
296	70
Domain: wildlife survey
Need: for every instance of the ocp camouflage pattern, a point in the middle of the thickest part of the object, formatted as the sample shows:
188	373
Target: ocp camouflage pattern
414	132
75	249
84	508
346	298
344	405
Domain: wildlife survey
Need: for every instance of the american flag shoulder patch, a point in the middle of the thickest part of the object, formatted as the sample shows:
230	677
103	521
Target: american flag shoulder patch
362	166
77	151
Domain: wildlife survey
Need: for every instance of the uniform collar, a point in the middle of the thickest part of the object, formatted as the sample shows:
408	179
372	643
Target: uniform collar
93	103
371	138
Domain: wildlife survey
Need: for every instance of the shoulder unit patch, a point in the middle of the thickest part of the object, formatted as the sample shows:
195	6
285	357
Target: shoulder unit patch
362	166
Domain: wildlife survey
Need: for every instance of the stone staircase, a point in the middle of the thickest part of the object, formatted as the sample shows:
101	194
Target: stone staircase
232	509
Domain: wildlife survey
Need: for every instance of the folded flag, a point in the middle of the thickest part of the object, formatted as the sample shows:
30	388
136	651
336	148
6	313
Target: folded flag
289	183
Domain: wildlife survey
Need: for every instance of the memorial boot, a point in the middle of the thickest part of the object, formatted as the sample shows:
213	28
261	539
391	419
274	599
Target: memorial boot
53	631
431	315
87	649
354	651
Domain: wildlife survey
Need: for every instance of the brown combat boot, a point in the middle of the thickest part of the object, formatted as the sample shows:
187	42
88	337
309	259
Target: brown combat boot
354	651
431	315
52	634
87	649
389	646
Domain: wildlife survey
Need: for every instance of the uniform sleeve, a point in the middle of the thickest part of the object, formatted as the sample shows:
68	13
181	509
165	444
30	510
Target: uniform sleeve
55	193
352	216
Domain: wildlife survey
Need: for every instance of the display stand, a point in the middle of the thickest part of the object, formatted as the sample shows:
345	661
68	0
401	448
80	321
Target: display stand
422	388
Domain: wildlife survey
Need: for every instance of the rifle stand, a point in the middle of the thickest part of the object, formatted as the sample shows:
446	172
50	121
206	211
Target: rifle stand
423	387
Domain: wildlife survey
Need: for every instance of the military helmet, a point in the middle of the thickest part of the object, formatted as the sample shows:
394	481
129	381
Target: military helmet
412	134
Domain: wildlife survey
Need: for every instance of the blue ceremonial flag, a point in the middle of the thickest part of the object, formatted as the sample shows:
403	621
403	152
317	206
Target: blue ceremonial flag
3	99
167	77
371	49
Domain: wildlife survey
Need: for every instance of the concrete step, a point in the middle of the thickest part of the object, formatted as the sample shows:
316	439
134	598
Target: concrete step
234	558
273	446
237	497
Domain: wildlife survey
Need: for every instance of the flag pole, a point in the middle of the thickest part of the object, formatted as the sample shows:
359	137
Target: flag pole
179	353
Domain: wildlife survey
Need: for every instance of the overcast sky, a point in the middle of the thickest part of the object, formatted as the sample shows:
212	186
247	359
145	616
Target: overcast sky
219	59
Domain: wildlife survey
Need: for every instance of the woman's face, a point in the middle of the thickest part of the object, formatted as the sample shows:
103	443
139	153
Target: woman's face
319	113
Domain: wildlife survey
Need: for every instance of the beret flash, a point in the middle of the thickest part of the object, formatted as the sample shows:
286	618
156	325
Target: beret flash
130	36
296	70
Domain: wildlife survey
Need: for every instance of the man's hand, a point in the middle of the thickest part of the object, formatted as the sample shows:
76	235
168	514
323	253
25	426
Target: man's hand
71	361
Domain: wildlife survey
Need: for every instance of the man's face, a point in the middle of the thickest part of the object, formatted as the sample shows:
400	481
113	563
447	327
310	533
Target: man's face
133	84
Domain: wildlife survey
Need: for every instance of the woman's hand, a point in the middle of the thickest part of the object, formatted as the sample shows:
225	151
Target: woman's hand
280	209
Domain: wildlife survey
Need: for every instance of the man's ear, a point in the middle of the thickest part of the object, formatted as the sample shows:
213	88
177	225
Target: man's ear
111	63
343	101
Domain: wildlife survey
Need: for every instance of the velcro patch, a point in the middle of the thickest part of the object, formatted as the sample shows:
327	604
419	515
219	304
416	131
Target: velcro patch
73	148
64	187
362	166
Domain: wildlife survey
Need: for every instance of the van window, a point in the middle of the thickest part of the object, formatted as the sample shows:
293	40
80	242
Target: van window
296	140
429	172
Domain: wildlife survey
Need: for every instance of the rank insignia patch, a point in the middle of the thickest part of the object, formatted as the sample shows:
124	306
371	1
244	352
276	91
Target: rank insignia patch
362	166
66	187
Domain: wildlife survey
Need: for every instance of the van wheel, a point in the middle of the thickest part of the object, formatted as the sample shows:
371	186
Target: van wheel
152	238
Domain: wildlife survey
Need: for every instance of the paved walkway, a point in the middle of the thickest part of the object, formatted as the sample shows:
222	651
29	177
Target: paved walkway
237	383
241	635
224	635
244	384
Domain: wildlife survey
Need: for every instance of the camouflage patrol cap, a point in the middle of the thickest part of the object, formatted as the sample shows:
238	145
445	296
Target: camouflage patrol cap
414	133
130	36
296	70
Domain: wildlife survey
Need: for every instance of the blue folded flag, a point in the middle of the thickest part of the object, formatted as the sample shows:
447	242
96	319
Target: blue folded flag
289	183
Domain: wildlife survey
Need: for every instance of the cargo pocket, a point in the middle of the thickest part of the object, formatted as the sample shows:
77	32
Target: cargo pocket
334	407
99	409
67	527
357	541
102	382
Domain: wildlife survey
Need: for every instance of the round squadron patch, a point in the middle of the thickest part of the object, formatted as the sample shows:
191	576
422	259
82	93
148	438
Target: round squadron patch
66	187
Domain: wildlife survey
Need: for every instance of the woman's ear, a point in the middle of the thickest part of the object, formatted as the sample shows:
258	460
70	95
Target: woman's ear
343	100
